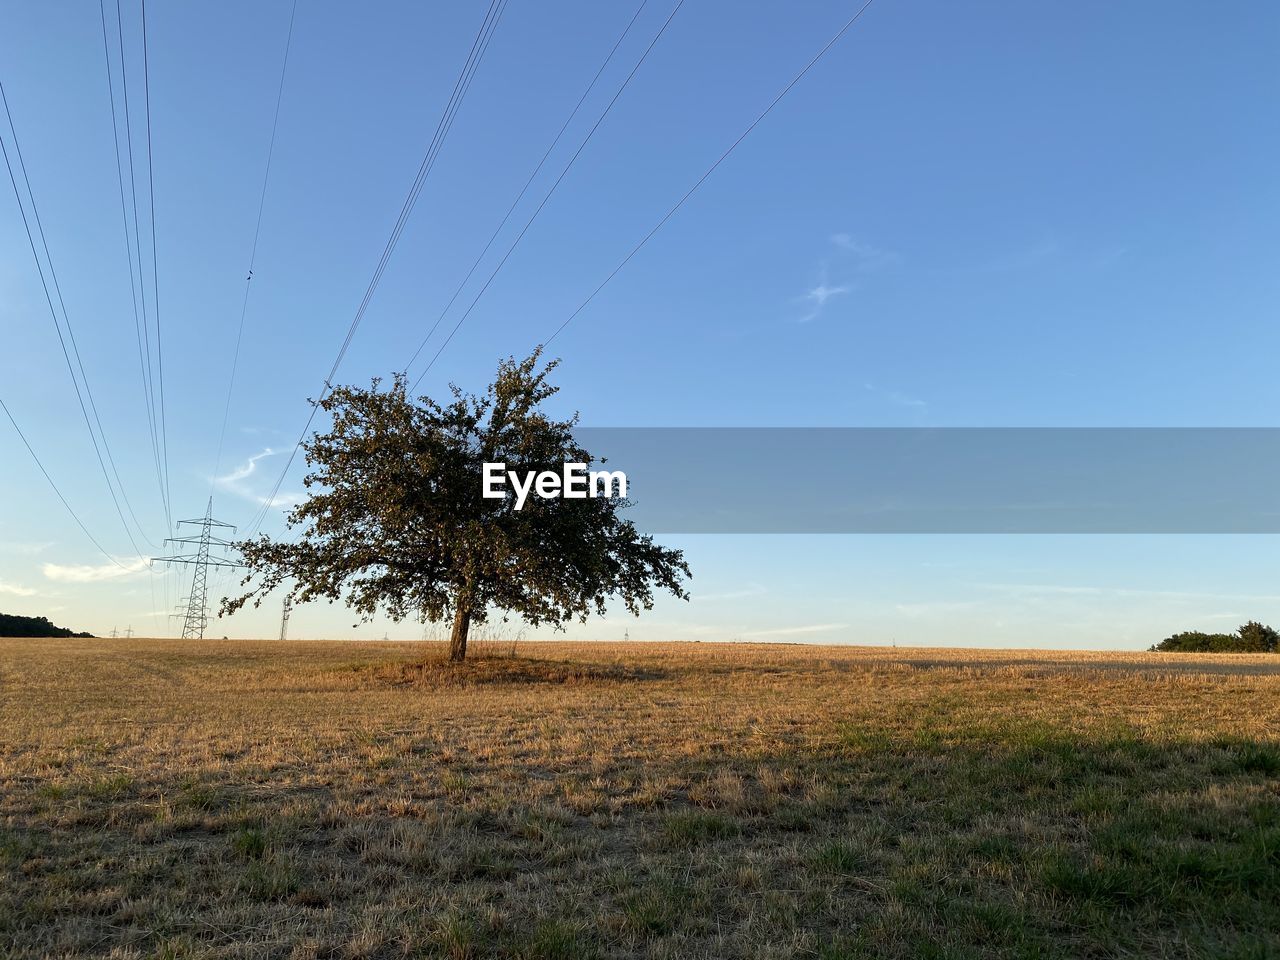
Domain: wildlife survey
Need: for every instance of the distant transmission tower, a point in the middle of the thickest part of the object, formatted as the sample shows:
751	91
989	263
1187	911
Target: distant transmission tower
196	618
284	617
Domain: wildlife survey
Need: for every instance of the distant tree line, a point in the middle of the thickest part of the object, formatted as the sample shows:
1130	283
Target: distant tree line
1253	637
15	626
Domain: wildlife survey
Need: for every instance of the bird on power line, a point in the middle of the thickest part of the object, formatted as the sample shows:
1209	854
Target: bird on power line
253	250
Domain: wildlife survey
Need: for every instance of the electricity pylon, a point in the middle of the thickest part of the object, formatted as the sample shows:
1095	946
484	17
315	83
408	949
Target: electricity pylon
284	617
196	618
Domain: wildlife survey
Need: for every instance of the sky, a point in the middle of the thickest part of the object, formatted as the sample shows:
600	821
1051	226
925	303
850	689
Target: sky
982	214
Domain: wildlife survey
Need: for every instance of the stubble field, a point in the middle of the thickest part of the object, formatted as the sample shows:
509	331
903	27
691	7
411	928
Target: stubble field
260	799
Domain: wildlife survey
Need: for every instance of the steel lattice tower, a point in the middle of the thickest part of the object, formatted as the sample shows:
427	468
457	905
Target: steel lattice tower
196	619
284	617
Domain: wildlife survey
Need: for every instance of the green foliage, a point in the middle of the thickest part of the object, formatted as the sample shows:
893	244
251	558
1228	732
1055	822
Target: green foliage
457	937
694	826
396	520
1253	637
1258	638
12	625
840	857
656	909
555	940
250	843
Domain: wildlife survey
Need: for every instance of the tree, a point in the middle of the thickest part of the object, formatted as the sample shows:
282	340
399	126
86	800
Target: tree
12	625
1253	637
395	519
1257	637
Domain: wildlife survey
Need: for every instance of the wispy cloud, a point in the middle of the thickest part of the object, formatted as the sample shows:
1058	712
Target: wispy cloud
16	590
817	296
235	482
866	258
796	631
91	573
822	293
853	258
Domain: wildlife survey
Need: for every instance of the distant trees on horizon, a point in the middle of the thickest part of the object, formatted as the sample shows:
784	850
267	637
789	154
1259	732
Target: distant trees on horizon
1253	637
12	625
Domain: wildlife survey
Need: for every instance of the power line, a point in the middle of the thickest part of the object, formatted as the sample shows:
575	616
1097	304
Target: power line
563	173
135	281
53	313
710	170
524	189
253	252
155	267
57	288
463	83
496	8
54	486
148	372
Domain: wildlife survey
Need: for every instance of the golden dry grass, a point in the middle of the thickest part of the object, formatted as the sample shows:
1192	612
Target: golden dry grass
261	799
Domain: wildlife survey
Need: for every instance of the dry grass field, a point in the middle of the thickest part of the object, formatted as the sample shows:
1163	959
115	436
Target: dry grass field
237	799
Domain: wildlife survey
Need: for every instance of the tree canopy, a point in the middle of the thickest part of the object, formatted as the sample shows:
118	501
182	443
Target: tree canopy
395	520
12	625
1253	637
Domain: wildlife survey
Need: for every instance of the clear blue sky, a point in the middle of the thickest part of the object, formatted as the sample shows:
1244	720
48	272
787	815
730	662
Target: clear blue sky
968	214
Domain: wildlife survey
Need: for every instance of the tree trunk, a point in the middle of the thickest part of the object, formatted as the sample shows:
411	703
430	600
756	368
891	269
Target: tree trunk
458	639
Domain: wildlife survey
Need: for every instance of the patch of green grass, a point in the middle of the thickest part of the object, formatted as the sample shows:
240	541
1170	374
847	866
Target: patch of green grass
656	909
267	880
997	848
795	818
863	738
841	857
457	937
697	826
110	787
194	794
844	948
556	940
484	862
178	948
16	847
1251	756
52	791
250	843
1096	879
454	782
